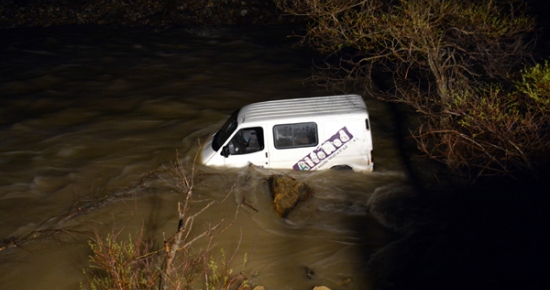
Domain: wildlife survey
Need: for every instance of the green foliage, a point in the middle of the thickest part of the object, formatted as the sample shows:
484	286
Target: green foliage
121	264
135	265
535	84
500	130
222	276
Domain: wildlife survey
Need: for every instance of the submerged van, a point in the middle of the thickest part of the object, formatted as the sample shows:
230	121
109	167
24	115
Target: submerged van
301	134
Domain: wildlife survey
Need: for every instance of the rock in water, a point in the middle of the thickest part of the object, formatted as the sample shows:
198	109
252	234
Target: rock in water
287	193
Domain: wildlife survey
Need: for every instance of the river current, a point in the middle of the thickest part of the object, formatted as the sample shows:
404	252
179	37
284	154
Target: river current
87	113
90	113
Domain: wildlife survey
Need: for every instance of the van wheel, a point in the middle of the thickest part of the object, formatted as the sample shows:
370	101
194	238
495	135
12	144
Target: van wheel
341	167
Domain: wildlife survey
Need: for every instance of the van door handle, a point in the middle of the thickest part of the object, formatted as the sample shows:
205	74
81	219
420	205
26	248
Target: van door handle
266	155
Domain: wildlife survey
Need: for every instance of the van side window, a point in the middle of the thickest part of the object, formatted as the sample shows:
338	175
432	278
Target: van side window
247	140
295	135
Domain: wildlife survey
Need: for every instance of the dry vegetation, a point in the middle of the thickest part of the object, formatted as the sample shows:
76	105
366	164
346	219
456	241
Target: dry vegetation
135	263
456	64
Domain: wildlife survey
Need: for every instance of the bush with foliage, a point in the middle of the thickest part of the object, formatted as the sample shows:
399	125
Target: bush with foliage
495	131
441	59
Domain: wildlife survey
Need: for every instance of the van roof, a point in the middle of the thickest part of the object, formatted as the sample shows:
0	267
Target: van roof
303	107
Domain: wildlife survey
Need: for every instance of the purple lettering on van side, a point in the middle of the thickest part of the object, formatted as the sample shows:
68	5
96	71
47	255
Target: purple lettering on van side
326	150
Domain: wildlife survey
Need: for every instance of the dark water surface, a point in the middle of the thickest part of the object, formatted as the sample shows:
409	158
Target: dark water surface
87	113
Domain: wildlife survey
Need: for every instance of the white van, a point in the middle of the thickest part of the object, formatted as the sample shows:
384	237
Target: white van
302	134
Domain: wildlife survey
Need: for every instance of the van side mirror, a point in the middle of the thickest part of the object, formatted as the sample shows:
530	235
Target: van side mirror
225	151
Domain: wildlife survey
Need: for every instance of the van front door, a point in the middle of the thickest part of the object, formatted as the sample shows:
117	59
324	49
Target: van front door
246	146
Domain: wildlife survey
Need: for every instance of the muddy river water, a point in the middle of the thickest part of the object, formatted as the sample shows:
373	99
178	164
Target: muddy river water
87	113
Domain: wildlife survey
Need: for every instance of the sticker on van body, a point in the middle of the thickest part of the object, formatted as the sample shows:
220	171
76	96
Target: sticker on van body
326	151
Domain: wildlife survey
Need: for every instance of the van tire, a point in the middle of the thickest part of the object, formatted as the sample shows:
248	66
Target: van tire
341	167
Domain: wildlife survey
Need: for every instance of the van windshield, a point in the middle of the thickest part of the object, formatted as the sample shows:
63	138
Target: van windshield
225	132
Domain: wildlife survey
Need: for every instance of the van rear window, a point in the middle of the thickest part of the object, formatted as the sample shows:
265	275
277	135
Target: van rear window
295	135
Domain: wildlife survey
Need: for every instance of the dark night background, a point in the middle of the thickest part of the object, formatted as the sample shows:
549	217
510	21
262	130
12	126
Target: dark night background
25	13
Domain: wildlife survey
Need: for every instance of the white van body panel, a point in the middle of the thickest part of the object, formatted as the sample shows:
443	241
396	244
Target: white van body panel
302	134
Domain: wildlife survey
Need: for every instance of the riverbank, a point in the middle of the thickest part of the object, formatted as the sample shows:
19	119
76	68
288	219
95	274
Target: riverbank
30	13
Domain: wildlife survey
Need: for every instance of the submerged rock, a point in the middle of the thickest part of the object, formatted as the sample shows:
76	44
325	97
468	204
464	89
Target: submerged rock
287	193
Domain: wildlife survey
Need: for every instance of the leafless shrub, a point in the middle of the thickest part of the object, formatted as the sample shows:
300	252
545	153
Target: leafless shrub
434	56
135	264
